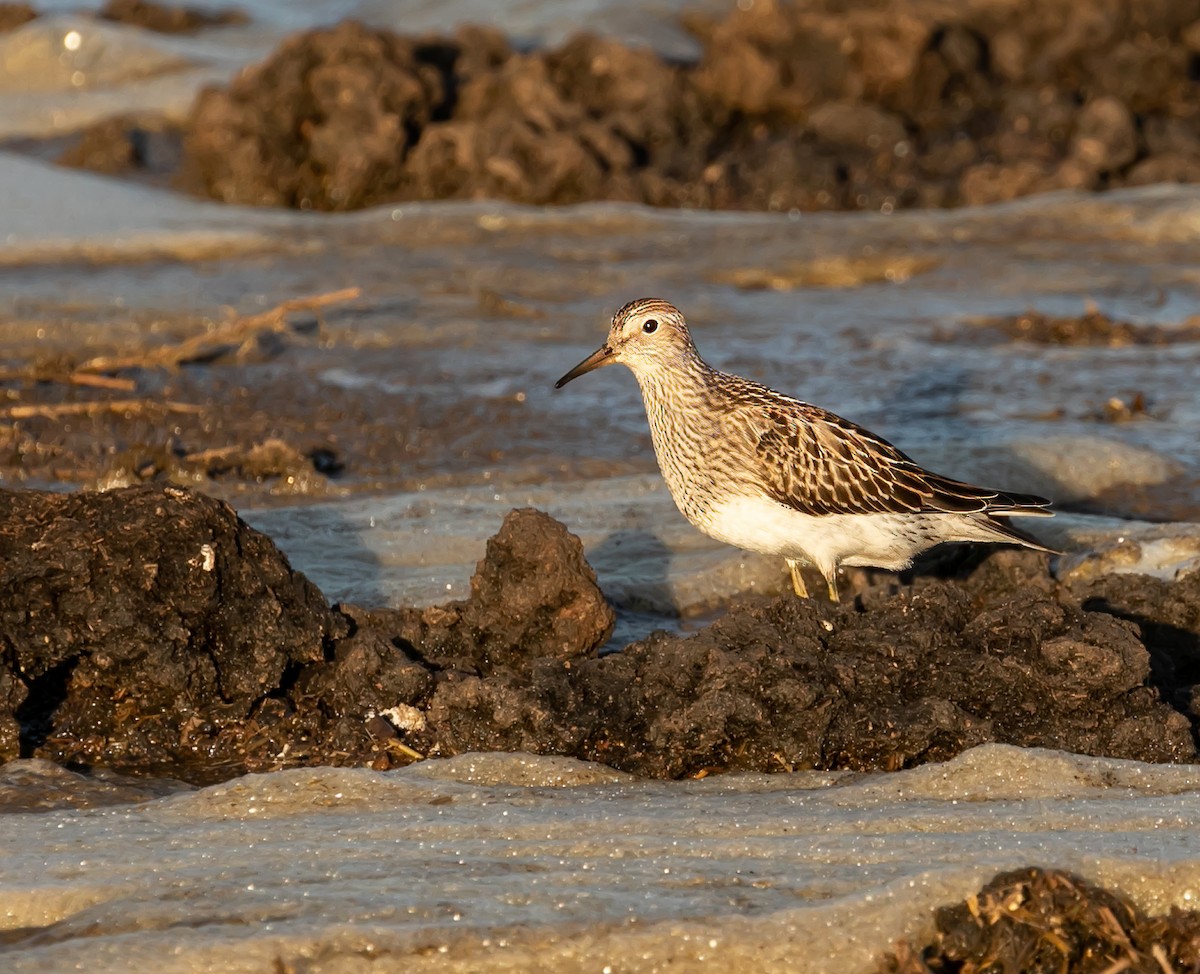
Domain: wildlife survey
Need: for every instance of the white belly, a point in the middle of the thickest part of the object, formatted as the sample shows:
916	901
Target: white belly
827	541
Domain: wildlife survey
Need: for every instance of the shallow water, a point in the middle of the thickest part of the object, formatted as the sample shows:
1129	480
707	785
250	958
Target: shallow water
452	417
473	379
468	314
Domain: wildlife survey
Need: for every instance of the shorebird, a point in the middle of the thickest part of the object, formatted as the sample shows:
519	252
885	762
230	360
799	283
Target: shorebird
765	472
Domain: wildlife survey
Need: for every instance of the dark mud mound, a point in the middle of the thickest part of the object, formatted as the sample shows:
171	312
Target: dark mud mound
13	15
328	121
785	683
126	144
592	120
1167	617
1035	920
151	629
874	105
138	624
1092	328
167	18
533	597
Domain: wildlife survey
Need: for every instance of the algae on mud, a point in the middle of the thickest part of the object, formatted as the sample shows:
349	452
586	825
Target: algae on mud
1034	920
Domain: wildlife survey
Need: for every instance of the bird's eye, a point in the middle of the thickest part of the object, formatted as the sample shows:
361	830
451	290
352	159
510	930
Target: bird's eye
650	326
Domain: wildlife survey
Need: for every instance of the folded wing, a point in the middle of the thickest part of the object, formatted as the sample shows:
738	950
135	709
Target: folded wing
818	463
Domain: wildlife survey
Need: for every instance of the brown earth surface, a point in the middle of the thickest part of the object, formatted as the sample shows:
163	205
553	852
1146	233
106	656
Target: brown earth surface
168	18
13	15
124	144
236	408
825	105
1043	920
149	629
1091	329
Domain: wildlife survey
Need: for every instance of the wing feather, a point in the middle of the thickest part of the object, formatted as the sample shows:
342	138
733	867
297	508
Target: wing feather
818	463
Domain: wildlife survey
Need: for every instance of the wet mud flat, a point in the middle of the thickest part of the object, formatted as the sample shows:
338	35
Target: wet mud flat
393	379
172	397
85	409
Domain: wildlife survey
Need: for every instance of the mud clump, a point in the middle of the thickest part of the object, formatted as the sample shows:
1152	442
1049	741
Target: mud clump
592	120
1167	617
139	624
111	146
125	144
809	106
784	684
150	629
168	19
533	597
13	15
1048	920
1092	328
327	122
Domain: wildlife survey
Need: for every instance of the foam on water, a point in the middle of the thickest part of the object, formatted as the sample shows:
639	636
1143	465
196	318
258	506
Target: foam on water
512	862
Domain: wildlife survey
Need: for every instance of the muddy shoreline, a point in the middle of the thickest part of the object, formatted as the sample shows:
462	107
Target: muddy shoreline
106	400
151	630
819	106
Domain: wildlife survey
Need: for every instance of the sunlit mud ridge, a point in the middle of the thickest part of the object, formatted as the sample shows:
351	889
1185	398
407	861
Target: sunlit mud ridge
151	629
815	106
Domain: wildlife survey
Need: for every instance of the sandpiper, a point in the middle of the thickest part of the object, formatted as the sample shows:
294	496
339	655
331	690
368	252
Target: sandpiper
765	472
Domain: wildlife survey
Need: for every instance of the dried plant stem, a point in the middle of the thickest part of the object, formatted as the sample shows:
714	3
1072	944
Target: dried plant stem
236	333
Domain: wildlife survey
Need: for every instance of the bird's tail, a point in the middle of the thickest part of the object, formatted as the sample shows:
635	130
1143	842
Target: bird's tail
1003	532
1019	505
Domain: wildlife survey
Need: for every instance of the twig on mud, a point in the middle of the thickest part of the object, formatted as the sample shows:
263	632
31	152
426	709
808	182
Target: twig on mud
216	453
35	375
401	748
54	410
239	333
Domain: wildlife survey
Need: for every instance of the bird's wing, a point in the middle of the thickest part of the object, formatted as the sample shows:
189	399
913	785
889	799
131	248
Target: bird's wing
818	463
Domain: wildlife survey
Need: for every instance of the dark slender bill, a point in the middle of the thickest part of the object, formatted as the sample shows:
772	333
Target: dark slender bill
598	359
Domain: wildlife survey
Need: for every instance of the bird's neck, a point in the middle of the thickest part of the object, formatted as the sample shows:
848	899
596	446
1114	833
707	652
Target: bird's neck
676	386
683	426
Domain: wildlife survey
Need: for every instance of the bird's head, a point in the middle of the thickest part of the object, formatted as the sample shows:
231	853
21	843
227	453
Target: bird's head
646	334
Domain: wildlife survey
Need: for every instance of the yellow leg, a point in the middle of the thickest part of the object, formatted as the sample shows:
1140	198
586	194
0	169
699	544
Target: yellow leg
831	578
798	585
